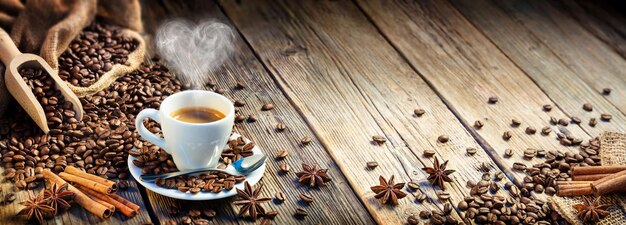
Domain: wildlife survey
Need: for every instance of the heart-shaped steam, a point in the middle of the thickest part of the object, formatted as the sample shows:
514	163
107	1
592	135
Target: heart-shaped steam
194	50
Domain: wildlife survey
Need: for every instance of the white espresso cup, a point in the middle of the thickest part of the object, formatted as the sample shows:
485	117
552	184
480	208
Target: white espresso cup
192	145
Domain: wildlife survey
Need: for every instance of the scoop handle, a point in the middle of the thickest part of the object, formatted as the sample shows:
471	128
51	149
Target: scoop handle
8	50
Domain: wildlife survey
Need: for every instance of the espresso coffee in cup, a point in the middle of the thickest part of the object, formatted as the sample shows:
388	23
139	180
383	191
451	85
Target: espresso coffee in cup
196	126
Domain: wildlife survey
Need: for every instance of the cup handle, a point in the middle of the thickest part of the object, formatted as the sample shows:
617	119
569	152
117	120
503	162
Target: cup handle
144	132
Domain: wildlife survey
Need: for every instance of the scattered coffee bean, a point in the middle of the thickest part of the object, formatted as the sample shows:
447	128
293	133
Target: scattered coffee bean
443	195
284	167
306	140
306	198
280	196
519	166
547	108
301	212
413	185
209	213
425	214
484	166
419	112
530	153
239	118
193	213
588	107
606	117
186	220
271	214
507	135
508	153
429	153
267	106
575	120
478	124
412	220
379	139
239	103
251	118
546	130
492	100
122	184
499	176
531	130
372	165
563	122
10	197
606	91
419	196
443	138
239	86
593	122
220	90
281	154
471	151
515	123
280	127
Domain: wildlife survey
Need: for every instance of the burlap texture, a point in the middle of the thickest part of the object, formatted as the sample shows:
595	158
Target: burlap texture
48	27
612	152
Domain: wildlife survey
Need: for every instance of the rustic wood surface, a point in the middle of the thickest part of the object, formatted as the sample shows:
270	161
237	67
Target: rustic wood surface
340	72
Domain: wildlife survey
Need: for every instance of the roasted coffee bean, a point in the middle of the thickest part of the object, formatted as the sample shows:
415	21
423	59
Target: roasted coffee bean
281	154
301	212
443	138
240	86
606	91
484	166
413	185
471	151
279	196
209	213
593	122
379	139
429	153
443	195
547	108
419	196
412	220
193	213
606	117
271	214
546	130
507	135
492	100
372	165
306	140
284	167
220	90
531	130
267	106
463	205
519	166
306	198
515	122
251	118
239	103
239	118
425	214
508	153
280	127
478	124
419	112
563	122
553	120
588	107
575	120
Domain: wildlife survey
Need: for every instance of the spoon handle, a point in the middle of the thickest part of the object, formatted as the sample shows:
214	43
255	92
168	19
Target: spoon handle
149	178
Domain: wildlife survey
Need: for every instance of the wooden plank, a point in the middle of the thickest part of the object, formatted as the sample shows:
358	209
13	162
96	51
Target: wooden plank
465	68
592	60
602	18
350	84
334	204
536	59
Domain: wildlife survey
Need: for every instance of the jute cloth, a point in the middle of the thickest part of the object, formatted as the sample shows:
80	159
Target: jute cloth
612	152
47	27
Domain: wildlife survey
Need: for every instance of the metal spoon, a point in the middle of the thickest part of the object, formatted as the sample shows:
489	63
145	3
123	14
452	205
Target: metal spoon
243	166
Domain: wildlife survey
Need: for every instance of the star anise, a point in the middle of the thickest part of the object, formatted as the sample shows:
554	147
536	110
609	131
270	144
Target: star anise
250	200
36	207
388	191
591	212
313	175
439	174
58	196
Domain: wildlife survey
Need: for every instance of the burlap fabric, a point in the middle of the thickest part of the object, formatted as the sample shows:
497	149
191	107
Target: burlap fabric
612	152
47	27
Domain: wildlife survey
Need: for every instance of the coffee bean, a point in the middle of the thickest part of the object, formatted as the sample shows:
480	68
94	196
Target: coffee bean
547	108
239	118
429	153
301	212
508	153
515	122
251	118
267	106
606	91
412	220
419	112
379	139
281	154
463	205
271	214
443	138
492	100
306	140
193	213
546	130
478	124
413	185
606	117
499	176
424	214
471	151
209	213
563	122
10	197
284	167
239	86
588	107
593	122
553	120
484	166
372	165
280	196
531	130
280	127
530	153
239	103
443	195
186	220
306	198
519	166
507	135
419	196
220	90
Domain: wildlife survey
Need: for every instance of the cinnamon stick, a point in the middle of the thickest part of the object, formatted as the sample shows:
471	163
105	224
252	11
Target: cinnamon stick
123	208
590	177
130	204
573	186
568	192
79	173
104	203
561	182
79	197
86	183
609	184
588	170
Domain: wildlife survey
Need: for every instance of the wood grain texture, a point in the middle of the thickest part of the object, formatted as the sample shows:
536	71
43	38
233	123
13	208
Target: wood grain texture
552	75
350	84
465	68
76	214
591	59
334	204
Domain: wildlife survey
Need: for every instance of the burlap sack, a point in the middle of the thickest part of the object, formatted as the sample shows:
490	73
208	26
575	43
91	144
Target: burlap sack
612	152
47	27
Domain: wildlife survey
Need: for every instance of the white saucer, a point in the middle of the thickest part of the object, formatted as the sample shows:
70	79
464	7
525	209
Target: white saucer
252	178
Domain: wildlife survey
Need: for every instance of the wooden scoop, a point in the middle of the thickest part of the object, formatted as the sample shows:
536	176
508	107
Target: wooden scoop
14	60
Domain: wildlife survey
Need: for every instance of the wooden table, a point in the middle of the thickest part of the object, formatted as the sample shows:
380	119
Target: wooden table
340	72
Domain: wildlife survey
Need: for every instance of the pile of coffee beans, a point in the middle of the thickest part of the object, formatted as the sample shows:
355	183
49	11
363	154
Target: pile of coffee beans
99	143
153	160
94	52
541	177
485	206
